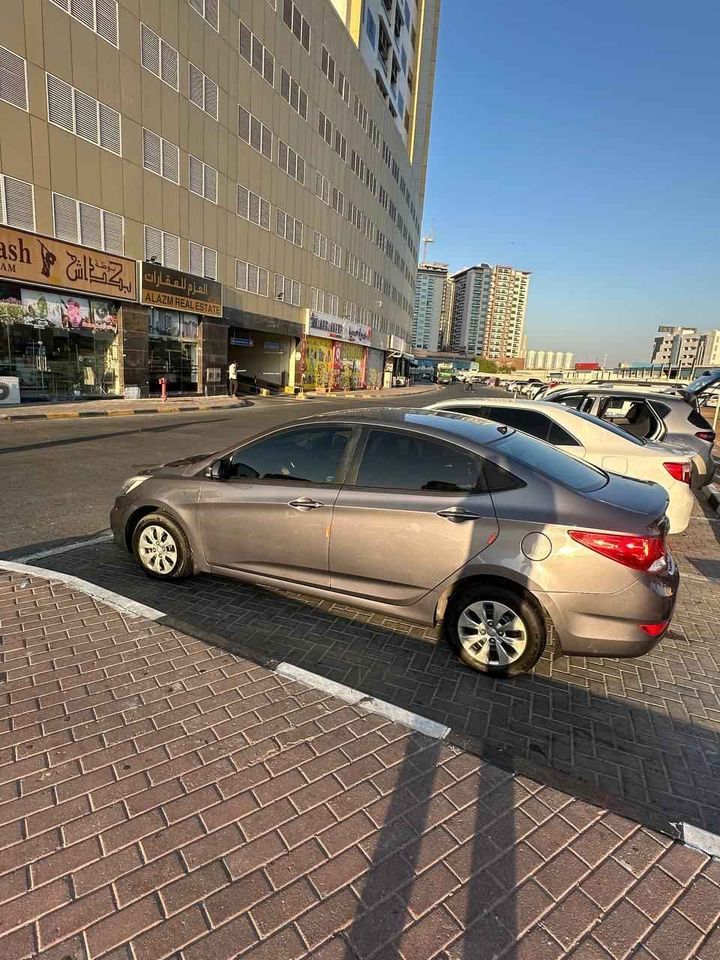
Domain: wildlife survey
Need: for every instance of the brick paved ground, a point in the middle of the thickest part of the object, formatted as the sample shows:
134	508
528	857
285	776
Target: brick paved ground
642	733
162	798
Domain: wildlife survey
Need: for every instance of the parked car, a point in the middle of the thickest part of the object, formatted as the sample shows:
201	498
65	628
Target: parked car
426	516
672	418
595	441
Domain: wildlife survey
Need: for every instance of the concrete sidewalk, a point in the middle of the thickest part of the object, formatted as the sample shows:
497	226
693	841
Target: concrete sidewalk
128	408
161	798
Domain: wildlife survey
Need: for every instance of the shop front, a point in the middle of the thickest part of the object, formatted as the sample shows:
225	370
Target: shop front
61	316
263	349
399	365
334	354
182	306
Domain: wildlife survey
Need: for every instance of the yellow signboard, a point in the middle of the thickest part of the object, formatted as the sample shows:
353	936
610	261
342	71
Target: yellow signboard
32	259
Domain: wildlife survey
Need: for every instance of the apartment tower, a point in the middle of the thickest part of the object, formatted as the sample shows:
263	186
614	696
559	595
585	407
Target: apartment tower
489	311
247	176
433	297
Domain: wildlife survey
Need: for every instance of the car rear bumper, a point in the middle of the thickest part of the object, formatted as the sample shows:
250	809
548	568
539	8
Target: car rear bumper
608	625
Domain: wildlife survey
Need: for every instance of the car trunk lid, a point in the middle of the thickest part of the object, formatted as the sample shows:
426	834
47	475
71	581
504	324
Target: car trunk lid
636	496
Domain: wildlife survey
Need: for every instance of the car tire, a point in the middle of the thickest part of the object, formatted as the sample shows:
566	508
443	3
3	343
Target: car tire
495	630
161	548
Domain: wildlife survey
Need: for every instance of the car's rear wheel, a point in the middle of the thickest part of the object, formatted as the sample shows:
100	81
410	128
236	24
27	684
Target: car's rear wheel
495	629
161	548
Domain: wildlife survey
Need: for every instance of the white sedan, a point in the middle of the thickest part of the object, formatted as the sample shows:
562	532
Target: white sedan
596	441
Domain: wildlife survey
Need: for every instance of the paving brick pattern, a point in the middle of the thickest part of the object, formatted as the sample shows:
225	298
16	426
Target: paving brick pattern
644	732
163	798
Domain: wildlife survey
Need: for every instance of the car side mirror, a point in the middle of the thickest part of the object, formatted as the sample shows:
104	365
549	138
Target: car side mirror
216	471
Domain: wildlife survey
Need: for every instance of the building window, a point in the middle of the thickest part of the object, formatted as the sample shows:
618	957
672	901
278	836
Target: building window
286	290
162	247
343	86
17	203
291	162
203	179
370	27
208	10
320	244
322	187
291	91
255	133
13	79
203	91
338	201
251	206
202	261
82	115
83	223
289	228
100	16
159	57
256	54
335	254
325	128
328	65
251	278
340	145
295	21
161	156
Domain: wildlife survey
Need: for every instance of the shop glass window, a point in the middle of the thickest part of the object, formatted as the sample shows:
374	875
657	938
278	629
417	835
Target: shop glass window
299	456
402	461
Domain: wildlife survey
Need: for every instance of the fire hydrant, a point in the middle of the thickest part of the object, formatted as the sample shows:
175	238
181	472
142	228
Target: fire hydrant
163	381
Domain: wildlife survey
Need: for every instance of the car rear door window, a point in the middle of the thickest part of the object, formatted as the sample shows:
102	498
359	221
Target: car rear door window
393	460
313	455
535	423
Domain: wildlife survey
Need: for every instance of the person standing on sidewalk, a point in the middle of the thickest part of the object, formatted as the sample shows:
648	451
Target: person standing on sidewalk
232	377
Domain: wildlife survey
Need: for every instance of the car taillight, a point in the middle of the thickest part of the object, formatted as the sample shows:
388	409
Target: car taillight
679	471
707	435
640	553
654	629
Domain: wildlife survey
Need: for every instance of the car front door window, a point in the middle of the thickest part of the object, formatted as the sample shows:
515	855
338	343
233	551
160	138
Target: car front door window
311	456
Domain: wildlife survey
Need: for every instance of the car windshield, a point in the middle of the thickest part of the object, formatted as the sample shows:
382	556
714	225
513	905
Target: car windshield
611	427
544	458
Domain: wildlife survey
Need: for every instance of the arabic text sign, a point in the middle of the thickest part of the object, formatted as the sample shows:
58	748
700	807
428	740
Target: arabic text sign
339	328
174	290
29	258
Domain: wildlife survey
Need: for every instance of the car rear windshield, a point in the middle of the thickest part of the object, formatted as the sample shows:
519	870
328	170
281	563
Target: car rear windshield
606	425
544	458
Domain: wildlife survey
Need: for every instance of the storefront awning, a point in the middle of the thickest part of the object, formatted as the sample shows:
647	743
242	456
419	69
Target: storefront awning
405	356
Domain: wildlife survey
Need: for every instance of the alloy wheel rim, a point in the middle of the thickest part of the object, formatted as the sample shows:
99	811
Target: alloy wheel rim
158	550
492	633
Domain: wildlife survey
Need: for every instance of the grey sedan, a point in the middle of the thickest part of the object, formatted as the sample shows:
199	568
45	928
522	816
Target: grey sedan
426	516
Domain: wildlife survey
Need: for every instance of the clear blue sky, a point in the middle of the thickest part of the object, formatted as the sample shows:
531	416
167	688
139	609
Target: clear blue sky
581	141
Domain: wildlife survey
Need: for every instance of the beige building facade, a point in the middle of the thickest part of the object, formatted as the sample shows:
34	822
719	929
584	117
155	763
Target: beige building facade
242	145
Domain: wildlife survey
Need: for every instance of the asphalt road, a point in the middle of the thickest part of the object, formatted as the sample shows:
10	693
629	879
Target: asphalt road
59	478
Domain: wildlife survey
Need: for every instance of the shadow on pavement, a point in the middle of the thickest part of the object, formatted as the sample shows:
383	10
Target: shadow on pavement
637	736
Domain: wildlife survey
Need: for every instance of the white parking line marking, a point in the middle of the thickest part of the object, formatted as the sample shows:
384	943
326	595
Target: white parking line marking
66	548
112	599
350	695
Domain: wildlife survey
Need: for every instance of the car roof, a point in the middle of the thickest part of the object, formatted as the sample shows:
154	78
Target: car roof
438	422
630	391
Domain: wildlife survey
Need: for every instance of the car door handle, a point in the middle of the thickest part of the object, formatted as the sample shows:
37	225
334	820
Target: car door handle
305	503
455	515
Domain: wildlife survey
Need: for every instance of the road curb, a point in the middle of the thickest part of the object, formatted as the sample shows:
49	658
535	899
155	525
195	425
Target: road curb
711	492
83	414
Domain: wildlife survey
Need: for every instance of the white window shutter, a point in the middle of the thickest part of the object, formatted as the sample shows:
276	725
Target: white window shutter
113	229
107	20
266	142
241	274
13	85
86	116
211	13
170	161
90	225
255	133
63	4
245	42
60	103
210	264
197	5
196	258
263	277
257	54
211	98
269	68
152	159
264	214
210	184
171	251
242	201
153	244
243	124
150	50
109	128
169	65
253	278
196	176
195	84
19	206
65	218
84	11
254	208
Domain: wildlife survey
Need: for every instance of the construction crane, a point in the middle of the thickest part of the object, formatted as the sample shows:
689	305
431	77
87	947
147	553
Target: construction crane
427	240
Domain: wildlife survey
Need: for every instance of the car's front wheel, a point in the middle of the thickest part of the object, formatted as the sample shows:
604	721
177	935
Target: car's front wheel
161	548
495	630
